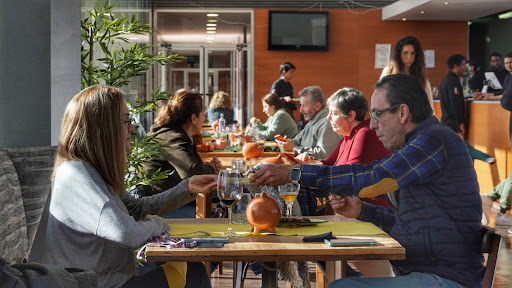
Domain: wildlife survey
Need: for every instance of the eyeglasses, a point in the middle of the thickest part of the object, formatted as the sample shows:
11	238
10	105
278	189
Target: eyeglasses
376	114
129	120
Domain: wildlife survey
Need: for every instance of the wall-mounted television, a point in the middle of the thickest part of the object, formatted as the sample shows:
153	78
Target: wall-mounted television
298	31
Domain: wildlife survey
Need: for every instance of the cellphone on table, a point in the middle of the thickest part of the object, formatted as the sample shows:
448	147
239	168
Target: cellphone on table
340	242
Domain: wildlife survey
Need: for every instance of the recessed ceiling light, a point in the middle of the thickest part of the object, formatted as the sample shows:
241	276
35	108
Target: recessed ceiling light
445	3
422	12
211	28
210	32
404	19
212	25
211	20
212	15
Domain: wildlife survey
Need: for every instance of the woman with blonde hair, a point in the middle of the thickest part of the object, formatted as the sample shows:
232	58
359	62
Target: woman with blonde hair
93	223
278	122
175	124
408	58
221	104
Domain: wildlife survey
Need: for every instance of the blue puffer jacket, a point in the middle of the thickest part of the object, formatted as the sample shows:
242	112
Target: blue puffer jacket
438	223
437	206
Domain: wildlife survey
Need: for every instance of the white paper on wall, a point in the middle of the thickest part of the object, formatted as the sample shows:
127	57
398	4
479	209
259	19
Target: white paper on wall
382	53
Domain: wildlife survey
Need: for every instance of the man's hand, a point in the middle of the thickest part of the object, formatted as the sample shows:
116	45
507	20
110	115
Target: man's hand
345	205
287	99
201	184
272	175
286	145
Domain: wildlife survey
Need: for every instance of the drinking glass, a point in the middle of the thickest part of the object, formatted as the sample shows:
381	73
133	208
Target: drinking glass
239	216
240	165
289	193
229	189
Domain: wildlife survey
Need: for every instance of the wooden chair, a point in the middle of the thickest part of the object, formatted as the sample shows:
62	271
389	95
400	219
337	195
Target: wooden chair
490	246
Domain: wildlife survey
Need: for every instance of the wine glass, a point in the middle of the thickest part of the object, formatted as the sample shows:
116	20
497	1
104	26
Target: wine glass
289	193
229	189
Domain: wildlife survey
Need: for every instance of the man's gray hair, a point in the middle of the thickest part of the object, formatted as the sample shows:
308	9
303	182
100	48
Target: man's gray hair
316	95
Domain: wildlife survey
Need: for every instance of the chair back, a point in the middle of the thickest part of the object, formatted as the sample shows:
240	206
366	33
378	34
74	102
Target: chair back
490	245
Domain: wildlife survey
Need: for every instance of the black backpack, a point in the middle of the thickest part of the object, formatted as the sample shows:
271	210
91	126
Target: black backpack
44	275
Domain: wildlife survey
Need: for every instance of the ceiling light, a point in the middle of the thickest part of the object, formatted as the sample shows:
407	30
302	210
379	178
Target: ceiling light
212	15
445	3
211	28
212	25
210	32
211	20
404	19
210	38
505	15
422	12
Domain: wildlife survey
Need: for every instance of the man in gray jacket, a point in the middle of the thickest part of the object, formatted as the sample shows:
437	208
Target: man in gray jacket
317	139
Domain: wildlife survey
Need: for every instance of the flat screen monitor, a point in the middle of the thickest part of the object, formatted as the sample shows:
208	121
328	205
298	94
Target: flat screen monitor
298	31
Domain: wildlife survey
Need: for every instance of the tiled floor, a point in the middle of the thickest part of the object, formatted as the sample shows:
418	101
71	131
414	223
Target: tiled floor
503	277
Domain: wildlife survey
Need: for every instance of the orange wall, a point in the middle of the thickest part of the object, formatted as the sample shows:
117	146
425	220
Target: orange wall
351	56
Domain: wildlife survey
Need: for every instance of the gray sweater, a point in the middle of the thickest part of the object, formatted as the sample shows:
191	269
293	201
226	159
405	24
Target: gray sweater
92	228
317	139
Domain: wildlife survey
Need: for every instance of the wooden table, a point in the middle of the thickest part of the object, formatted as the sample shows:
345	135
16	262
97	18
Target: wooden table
277	248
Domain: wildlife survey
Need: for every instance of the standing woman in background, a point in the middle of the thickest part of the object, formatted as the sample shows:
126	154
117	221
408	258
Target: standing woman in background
221	103
408	58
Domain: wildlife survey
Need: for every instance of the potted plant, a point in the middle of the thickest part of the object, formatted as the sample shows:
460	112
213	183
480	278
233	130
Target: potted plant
106	60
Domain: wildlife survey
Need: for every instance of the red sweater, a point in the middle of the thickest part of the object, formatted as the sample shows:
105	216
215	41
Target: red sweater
362	146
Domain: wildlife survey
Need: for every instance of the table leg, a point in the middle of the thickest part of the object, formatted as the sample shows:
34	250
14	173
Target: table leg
334	270
238	271
269	276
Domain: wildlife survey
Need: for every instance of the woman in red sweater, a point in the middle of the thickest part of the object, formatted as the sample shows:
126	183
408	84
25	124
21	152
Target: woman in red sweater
347	109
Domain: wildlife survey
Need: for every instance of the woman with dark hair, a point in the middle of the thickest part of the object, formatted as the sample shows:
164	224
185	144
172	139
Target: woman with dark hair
92	222
476	78
175	124
408	58
278	122
221	104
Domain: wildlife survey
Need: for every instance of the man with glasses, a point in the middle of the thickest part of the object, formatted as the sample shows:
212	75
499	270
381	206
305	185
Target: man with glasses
432	187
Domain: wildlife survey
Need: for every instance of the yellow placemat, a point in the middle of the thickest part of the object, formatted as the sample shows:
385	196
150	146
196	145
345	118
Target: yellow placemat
337	228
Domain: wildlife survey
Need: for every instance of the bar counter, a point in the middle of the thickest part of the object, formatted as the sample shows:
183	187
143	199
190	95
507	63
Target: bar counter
488	132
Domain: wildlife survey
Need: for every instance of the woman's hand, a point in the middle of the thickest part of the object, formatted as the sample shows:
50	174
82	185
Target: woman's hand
345	205
201	184
303	158
254	120
215	162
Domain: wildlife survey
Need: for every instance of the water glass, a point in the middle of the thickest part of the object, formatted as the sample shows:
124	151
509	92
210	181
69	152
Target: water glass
239	216
240	165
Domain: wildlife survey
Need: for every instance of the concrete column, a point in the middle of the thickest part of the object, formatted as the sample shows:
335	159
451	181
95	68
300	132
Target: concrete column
39	68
